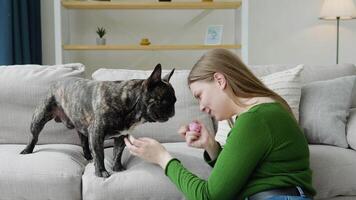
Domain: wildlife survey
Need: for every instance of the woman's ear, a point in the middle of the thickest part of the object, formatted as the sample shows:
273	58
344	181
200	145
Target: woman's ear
220	79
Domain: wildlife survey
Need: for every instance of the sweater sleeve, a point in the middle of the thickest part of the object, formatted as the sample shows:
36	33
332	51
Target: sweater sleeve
246	146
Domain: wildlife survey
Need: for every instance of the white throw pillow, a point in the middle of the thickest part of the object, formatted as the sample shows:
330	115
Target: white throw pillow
285	83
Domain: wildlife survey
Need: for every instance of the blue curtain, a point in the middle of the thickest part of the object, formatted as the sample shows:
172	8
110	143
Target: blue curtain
20	35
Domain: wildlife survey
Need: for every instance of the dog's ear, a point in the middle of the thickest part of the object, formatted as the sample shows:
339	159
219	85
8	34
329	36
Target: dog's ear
167	77
155	77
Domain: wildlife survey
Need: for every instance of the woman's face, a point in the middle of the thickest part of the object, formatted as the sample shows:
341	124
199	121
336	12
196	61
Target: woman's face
212	99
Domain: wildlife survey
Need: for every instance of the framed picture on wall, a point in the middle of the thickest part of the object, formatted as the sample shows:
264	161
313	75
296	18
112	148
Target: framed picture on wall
214	35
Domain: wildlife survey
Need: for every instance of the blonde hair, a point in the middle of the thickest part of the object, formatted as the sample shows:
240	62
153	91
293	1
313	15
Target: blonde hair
240	79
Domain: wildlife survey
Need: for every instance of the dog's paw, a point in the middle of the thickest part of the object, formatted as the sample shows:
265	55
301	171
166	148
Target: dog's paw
25	151
118	168
88	156
103	174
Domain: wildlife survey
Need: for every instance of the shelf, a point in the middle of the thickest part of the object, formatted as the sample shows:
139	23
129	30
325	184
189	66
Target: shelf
145	5
149	47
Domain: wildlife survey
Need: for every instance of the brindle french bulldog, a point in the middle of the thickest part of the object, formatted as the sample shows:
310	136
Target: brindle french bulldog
102	109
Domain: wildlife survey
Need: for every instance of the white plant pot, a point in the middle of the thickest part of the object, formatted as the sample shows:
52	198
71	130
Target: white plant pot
100	41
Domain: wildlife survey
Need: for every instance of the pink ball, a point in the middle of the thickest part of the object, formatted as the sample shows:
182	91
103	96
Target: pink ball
193	126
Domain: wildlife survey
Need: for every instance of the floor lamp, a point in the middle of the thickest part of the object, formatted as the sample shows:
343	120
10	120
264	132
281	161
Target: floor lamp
338	10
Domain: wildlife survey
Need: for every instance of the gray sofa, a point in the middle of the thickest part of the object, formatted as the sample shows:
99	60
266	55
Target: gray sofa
58	170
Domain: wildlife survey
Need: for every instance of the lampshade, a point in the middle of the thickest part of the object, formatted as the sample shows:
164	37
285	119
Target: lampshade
331	9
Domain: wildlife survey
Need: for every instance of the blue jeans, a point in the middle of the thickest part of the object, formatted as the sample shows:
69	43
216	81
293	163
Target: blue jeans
285	197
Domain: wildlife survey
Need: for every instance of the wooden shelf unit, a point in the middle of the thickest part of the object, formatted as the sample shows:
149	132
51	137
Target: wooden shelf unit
71	4
148	5
148	47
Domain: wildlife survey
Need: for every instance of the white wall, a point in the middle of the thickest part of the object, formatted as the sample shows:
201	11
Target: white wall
279	31
289	31
47	26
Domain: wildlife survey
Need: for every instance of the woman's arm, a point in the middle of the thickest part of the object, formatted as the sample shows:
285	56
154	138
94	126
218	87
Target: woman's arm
245	148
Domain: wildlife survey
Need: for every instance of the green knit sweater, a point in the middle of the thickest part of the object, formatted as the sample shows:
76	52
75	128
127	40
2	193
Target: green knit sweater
265	150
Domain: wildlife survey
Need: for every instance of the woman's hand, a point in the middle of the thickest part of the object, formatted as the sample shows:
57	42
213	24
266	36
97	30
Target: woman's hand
148	149
202	140
196	139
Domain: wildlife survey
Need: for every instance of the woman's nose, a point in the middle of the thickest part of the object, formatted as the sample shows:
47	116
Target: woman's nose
202	108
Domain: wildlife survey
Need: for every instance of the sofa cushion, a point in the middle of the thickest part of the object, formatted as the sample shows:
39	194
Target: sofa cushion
186	107
142	180
333	171
324	109
53	172
285	83
22	88
351	129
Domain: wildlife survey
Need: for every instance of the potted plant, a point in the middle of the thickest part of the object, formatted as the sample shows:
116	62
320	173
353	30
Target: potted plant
101	40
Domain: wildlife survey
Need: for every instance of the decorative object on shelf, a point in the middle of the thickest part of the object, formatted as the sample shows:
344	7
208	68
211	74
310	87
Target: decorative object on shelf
145	42
101	32
187	1
336	10
214	35
207	0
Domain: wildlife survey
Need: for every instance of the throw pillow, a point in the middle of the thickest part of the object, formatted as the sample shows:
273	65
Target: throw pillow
288	85
285	83
351	129
324	110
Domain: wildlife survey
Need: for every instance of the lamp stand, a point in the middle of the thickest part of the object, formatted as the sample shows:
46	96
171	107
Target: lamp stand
337	40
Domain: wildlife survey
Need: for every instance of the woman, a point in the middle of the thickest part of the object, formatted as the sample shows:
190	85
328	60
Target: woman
266	155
